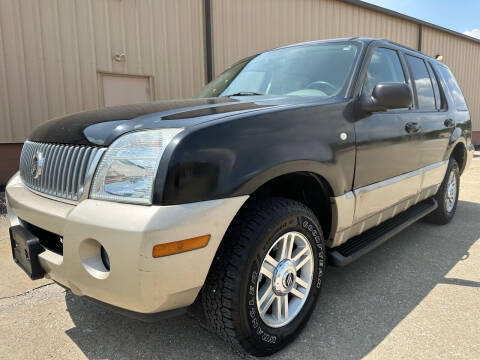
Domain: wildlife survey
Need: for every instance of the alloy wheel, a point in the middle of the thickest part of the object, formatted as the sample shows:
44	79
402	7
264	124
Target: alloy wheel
285	279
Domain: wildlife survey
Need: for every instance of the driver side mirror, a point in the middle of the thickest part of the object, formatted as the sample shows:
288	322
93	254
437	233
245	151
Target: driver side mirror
387	95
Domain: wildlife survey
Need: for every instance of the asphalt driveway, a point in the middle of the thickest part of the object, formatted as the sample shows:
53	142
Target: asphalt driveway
417	296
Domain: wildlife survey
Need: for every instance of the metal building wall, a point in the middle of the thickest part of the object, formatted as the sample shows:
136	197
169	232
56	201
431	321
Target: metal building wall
51	52
462	56
242	28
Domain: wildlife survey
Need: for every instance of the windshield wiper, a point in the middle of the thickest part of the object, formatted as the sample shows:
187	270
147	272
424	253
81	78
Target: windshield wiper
244	93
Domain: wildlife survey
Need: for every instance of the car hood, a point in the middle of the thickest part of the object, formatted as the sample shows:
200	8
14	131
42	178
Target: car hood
101	127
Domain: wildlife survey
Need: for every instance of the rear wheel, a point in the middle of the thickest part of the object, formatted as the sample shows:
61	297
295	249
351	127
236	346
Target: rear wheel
266	276
447	196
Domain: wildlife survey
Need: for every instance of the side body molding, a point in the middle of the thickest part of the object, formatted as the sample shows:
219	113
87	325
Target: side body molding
368	206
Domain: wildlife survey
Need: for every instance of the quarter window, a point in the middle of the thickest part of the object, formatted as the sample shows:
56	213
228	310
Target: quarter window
384	66
423	83
453	88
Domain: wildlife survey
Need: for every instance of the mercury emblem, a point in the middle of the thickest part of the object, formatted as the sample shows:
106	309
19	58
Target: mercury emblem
37	165
289	280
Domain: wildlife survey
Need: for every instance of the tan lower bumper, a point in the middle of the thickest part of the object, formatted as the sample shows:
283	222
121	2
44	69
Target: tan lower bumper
136	281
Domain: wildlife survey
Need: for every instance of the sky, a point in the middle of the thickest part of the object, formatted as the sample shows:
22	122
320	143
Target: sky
459	15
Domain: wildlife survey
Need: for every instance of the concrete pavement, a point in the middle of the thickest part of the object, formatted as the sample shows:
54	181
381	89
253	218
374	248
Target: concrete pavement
415	297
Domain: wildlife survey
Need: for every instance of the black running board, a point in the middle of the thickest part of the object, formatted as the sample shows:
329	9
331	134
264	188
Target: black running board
362	244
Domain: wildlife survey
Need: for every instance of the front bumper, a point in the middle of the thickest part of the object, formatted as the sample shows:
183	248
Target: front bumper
136	281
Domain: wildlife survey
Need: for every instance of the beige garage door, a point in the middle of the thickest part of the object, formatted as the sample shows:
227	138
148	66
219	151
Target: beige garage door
121	89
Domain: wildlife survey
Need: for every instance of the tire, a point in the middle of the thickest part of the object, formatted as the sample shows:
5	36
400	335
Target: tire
235	282
447	202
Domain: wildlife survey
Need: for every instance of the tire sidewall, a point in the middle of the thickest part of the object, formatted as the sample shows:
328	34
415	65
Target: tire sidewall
452	167
265	336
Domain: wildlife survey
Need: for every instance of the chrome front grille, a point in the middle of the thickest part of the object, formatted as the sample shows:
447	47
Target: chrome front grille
62	171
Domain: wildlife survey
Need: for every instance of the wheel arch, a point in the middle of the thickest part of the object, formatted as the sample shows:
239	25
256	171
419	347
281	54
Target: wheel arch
459	153
308	188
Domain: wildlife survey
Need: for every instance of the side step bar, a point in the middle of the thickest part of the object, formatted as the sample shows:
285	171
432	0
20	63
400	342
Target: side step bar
360	245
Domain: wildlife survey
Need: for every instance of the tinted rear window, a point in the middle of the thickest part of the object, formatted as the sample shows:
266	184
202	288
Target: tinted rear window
453	87
436	88
423	83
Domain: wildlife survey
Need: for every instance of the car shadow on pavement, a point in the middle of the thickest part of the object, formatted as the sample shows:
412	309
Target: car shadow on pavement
359	306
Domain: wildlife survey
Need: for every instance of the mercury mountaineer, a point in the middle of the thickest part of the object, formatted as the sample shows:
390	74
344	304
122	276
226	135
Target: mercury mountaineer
298	155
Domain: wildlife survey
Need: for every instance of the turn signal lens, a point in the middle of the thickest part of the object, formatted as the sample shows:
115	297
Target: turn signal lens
181	246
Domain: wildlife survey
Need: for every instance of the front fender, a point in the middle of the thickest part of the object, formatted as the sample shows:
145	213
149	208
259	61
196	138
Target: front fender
236	156
323	170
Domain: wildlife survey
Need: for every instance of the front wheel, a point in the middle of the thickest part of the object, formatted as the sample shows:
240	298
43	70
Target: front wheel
447	196
266	276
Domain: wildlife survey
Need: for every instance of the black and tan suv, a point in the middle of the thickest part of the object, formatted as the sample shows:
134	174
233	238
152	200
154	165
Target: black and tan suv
309	152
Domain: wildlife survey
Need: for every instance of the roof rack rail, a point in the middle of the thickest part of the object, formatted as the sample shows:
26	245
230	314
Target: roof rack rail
408	48
400	45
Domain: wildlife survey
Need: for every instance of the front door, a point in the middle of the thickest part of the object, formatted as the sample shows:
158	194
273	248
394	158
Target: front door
387	162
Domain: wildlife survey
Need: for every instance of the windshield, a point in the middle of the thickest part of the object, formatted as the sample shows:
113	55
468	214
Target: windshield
310	70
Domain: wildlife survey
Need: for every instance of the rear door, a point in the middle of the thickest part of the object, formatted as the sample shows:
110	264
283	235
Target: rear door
388	157
435	121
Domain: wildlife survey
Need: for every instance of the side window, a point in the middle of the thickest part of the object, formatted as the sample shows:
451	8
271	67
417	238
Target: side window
453	88
384	66
423	83
439	98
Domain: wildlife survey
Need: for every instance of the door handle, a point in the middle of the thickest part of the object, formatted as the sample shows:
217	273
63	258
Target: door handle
413	127
449	123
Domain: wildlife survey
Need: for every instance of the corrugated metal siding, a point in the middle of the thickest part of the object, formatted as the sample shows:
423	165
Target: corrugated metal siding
462	56
52	50
242	28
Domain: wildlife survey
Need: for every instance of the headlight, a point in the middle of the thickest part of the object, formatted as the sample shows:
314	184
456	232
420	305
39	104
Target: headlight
127	170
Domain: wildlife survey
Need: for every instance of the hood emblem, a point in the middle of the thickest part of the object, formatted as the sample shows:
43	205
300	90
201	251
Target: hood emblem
37	165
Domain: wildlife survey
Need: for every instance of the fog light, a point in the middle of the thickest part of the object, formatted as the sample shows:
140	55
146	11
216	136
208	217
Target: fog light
105	258
94	258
